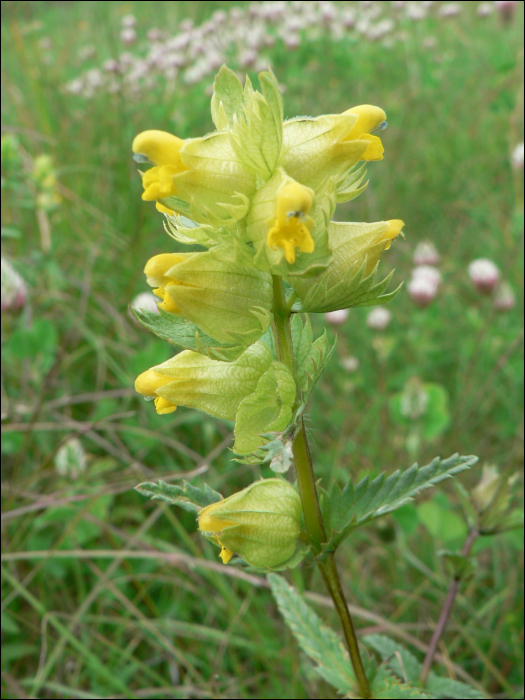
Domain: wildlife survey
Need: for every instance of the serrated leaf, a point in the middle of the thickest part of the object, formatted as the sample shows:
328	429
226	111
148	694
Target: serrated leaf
345	510
447	688
185	334
401	661
187	496
406	667
315	639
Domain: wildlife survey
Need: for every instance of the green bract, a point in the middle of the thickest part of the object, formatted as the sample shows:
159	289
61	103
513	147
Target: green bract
261	524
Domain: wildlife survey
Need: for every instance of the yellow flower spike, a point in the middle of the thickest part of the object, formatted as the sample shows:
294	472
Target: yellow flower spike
370	118
395	227
147	384
292	226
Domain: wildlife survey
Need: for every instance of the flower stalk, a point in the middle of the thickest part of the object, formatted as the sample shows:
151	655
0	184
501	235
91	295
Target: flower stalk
308	492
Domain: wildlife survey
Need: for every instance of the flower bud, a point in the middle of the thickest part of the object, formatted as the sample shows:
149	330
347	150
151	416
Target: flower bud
484	274
261	524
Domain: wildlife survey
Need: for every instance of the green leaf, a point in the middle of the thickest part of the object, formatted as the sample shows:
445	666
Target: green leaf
384	685
186	496
345	510
402	662
406	667
185	334
315	639
447	688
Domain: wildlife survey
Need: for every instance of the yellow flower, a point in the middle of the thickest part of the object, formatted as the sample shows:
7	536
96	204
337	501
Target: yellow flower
147	384
163	150
292	226
370	119
155	271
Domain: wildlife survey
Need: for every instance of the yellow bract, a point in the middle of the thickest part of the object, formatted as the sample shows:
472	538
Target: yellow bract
147	384
369	119
292	226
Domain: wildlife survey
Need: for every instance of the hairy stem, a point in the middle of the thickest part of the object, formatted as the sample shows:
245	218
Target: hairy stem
445	612
308	492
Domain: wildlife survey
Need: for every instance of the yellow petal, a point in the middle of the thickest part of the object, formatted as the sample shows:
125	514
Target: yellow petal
293	199
158	265
158	183
395	227
164	210
164	406
375	149
225	555
293	234
159	147
369	119
167	302
149	381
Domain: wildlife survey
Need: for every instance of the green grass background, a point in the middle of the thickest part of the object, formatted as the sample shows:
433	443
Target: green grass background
129	601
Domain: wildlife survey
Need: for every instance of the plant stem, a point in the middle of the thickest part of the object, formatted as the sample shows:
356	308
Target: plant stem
445	612
308	492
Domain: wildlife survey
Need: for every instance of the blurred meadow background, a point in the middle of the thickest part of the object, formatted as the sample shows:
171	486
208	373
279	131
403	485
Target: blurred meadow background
106	594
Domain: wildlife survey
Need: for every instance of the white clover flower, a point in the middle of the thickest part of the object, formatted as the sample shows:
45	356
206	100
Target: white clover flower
45	43
484	274
504	298
427	272
426	254
336	318
422	291
518	156
292	41
379	318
